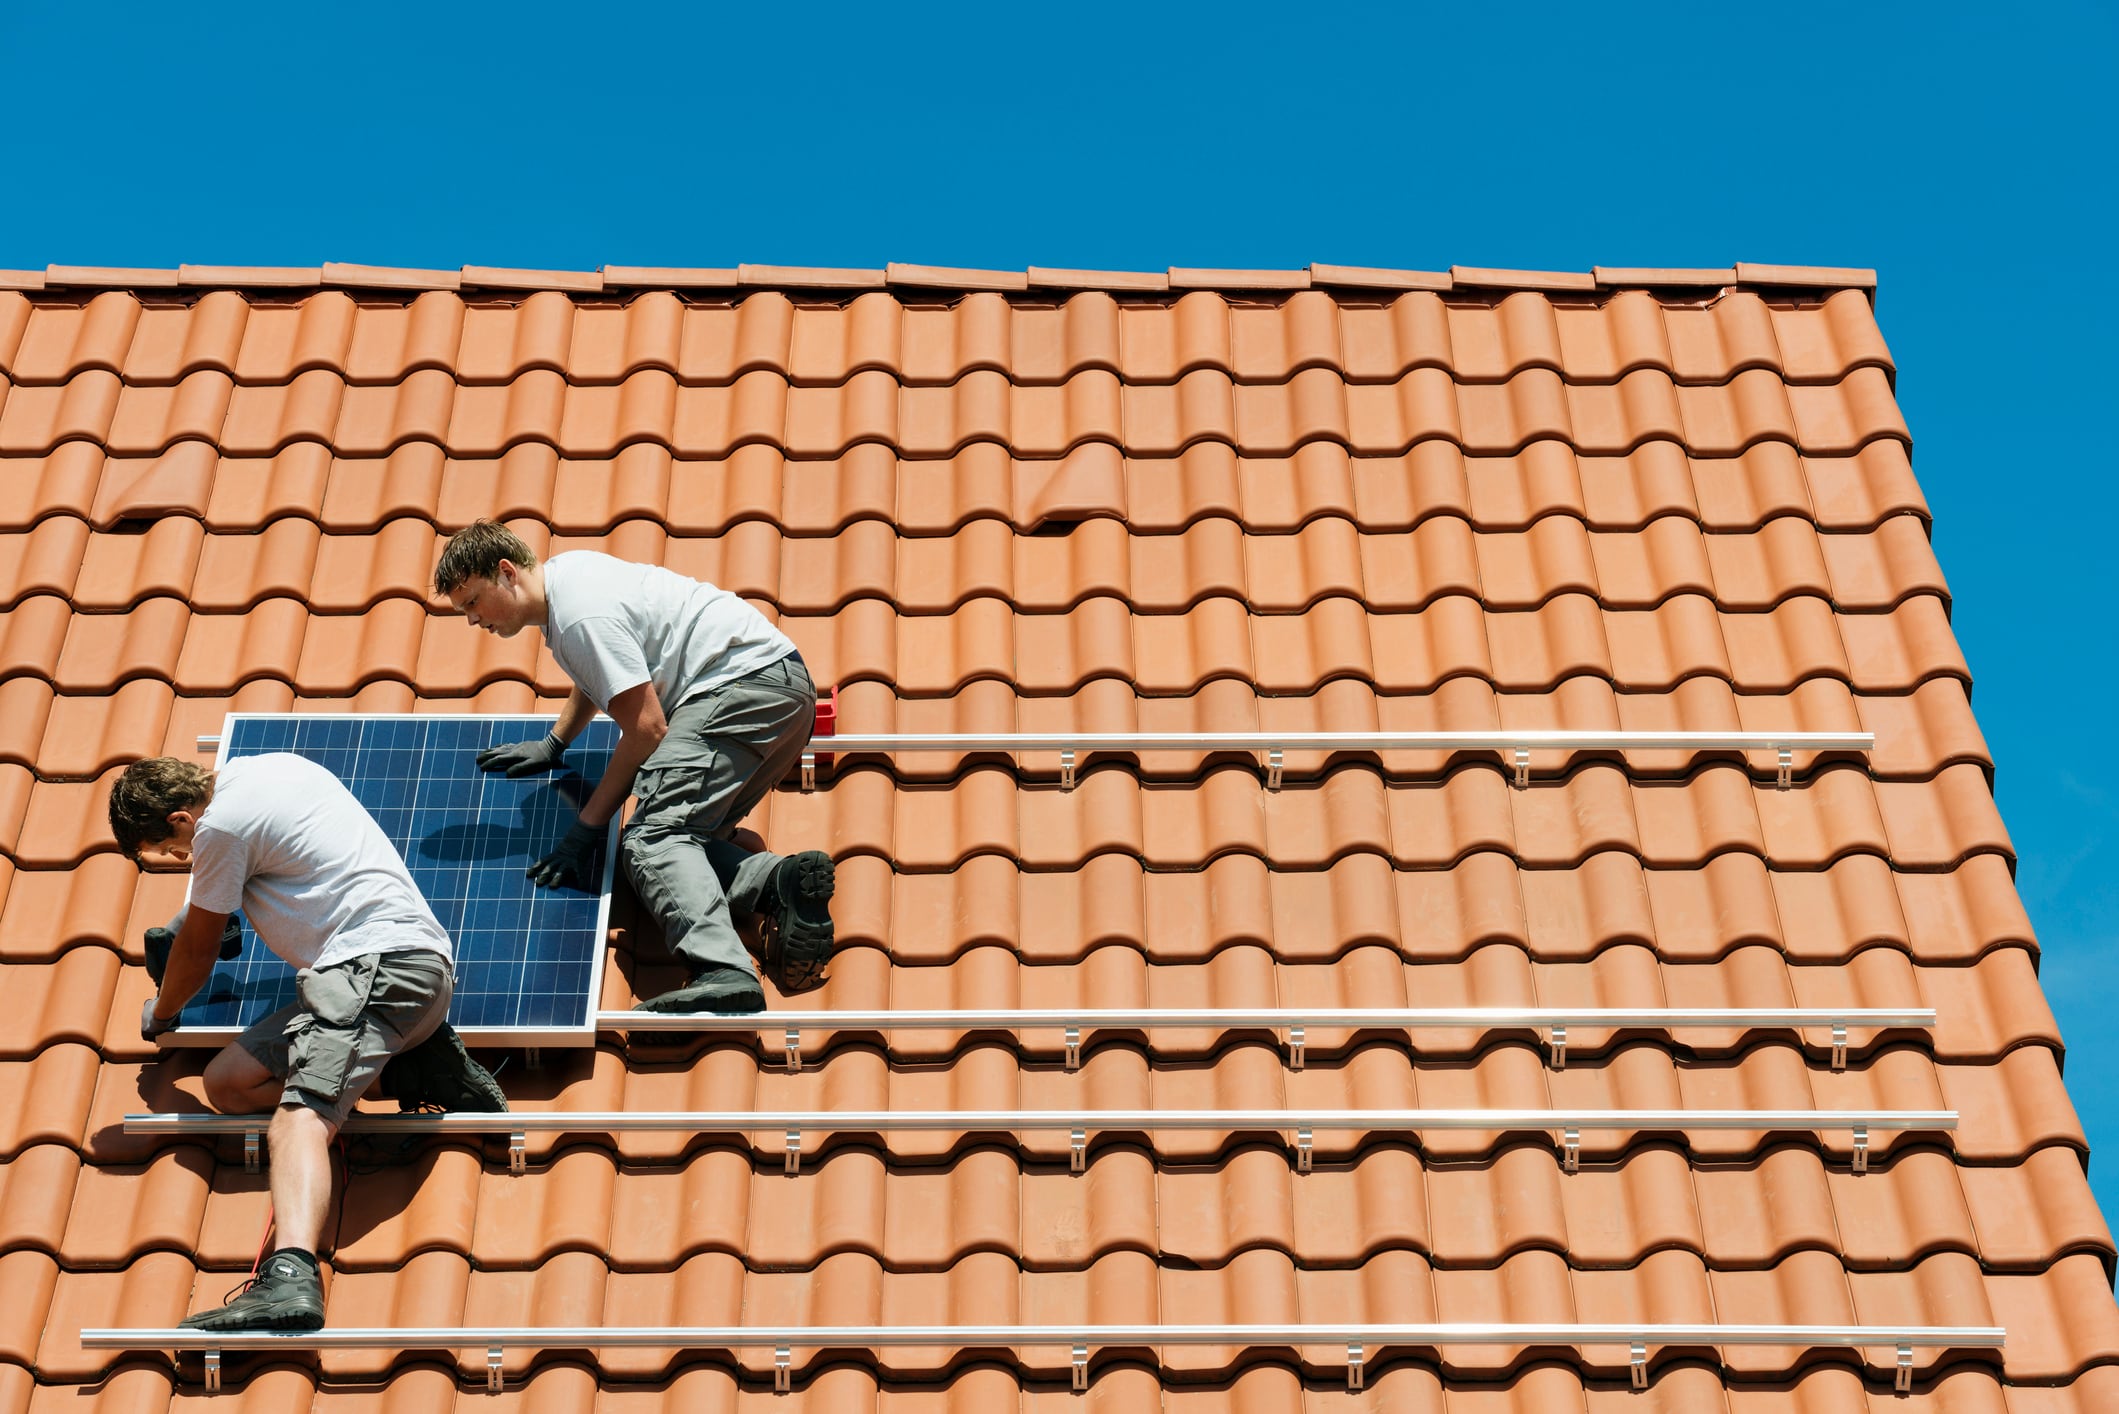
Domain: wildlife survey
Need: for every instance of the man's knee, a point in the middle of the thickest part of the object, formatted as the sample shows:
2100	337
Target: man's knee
295	1120
238	1083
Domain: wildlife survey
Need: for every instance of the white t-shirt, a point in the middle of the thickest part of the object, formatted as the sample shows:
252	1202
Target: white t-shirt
286	842
614	625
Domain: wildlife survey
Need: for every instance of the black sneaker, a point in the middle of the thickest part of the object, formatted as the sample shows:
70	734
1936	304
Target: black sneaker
288	1295
439	1074
798	927
724	991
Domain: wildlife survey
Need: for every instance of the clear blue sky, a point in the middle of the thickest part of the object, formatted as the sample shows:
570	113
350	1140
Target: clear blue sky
1959	151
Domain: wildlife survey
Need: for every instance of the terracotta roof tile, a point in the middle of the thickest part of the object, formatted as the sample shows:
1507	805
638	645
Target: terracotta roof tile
255	277
385	277
1805	276
489	278
1120	503
802	276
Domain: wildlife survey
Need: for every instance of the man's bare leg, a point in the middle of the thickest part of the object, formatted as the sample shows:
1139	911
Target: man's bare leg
299	1140
288	1292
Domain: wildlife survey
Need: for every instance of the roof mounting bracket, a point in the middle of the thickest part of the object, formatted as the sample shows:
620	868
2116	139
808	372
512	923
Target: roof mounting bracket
809	770
1558	1042
1081	1368
253	1150
1295	1045
1074	1047
1571	1149
1638	1358
793	1164
213	1371
793	1038
209	743
1904	1382
1067	768
533	1057
1077	1150
1861	1148
1354	1359
1276	767
783	1369
518	1151
1522	768
1839	1045
1784	772
1305	1142
493	1377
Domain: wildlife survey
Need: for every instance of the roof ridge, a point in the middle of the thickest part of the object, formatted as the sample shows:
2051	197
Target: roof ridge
339	275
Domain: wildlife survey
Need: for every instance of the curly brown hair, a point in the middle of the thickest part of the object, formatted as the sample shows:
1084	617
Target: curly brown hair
143	797
476	552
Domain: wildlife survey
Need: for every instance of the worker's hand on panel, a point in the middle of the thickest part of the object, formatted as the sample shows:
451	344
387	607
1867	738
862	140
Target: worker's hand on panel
567	866
523	758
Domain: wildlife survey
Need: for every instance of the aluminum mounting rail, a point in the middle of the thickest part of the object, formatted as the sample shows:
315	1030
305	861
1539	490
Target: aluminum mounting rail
518	1125
1356	1338
1515	746
1554	1021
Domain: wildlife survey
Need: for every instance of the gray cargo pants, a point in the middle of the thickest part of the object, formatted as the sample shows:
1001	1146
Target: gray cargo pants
726	748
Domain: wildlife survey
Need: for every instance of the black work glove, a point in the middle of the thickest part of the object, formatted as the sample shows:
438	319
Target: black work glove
524	758
160	940
567	866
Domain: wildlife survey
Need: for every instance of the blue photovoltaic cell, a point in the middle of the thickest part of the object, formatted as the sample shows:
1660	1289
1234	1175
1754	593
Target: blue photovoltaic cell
525	956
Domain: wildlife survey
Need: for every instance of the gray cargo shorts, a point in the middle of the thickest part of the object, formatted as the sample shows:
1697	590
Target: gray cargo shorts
345	1023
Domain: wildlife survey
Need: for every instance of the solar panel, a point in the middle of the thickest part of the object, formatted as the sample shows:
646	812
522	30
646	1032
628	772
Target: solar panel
529	961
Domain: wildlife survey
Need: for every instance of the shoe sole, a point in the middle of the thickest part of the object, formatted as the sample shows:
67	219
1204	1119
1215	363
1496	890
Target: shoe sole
686	1000
803	930
286	1316
469	1088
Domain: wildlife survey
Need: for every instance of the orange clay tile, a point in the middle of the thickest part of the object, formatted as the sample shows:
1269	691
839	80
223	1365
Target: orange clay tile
1331	499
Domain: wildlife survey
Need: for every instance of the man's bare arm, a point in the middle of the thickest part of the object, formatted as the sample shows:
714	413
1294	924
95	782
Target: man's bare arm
575	716
191	959
641	728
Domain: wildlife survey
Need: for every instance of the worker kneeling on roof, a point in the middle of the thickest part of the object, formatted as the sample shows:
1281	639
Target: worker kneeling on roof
281	838
714	707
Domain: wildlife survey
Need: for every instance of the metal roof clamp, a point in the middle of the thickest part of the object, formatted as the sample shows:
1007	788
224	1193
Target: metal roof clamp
1861	1148
1067	768
1522	768
1784	773
783	1369
1295	1042
1304	1143
794	1153
1558	1043
793	1038
213	1371
809	770
1571	1149
1081	1368
1354	1357
209	743
518	1152
493	1380
1276	767
1904	1382
1638	1358
1077	1150
253	1150
1839	1045
1073	1037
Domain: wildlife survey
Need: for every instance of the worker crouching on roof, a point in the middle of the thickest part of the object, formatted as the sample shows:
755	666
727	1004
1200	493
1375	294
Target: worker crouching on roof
714	707
281	838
